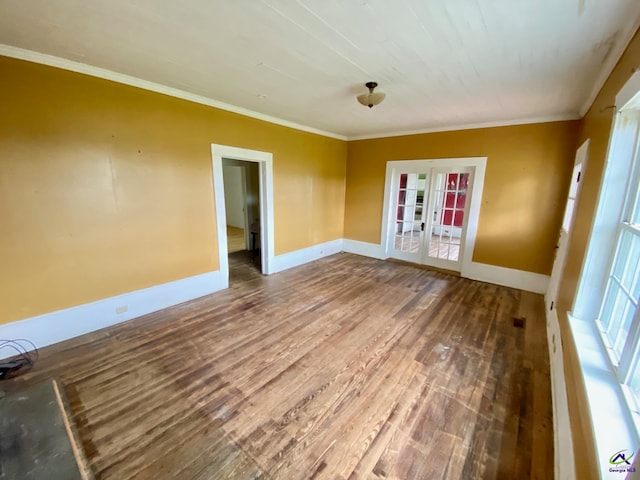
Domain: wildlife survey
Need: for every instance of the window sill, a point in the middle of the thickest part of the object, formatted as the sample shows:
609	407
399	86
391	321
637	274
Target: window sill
613	427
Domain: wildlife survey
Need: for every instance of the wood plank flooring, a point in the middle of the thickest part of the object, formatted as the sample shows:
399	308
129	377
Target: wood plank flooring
235	239
346	368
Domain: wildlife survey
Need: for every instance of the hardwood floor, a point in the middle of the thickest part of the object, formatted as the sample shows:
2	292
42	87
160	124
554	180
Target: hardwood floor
235	239
347	368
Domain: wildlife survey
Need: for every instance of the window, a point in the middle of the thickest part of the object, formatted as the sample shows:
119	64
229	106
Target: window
619	319
605	319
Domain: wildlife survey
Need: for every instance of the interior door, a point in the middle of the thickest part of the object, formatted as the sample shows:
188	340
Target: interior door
448	208
408	193
567	224
431	209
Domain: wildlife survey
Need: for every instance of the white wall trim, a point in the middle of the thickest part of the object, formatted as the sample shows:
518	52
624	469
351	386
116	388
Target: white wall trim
470	126
627	33
477	190
508	277
366	249
70	65
564	463
71	322
305	255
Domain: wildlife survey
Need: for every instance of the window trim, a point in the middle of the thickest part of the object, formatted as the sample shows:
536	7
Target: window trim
614	410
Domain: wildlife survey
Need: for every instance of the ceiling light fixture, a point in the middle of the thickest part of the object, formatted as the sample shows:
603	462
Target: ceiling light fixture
370	99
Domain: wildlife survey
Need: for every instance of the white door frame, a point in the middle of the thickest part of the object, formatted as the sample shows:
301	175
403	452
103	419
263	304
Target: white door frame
245	208
479	164
562	245
265	161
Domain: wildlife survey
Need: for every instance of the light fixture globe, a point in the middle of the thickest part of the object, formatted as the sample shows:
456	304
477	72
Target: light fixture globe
370	99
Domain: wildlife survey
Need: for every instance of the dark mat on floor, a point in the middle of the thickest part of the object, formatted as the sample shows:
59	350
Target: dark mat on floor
34	437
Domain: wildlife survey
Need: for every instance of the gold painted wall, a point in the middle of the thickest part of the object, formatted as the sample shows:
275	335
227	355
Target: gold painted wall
106	188
596	126
526	183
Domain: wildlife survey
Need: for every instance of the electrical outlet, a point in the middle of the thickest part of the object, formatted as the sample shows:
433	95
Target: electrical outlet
122	309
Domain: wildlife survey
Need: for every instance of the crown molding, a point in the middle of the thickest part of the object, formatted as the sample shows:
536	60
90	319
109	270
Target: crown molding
65	64
612	60
70	65
471	126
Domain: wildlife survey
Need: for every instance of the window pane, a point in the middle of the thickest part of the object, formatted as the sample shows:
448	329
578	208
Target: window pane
402	197
406	239
635	287
635	215
409	212
609	304
447	217
624	246
412	180
623	331
632	260
614	316
403	180
634	380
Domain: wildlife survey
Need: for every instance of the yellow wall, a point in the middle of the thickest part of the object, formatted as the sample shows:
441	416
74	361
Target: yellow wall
106	188
597	127
526	182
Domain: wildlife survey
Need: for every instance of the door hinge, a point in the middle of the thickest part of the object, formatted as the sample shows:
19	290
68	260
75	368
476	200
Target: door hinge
551	307
578	179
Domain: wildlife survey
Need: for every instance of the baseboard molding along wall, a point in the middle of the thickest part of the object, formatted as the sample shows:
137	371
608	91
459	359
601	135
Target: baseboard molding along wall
72	322
61	325
305	255
364	248
64	324
508	277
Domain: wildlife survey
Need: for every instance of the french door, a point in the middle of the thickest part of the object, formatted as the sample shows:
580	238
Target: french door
429	210
407	235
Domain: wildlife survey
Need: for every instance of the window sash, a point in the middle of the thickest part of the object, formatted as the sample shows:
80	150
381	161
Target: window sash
619	316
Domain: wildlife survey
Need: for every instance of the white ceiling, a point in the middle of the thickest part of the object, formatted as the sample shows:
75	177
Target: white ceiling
442	64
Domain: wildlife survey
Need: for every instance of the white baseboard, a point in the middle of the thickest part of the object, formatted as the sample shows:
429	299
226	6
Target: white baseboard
365	249
305	255
508	277
531	282
564	465
71	322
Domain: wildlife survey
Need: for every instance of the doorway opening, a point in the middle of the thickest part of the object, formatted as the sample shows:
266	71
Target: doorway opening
431	211
241	180
243	191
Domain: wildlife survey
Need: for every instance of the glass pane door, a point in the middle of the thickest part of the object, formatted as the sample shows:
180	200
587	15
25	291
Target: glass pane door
448	209
407	235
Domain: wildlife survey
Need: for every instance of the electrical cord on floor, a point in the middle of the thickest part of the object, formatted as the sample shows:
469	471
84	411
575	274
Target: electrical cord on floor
20	357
